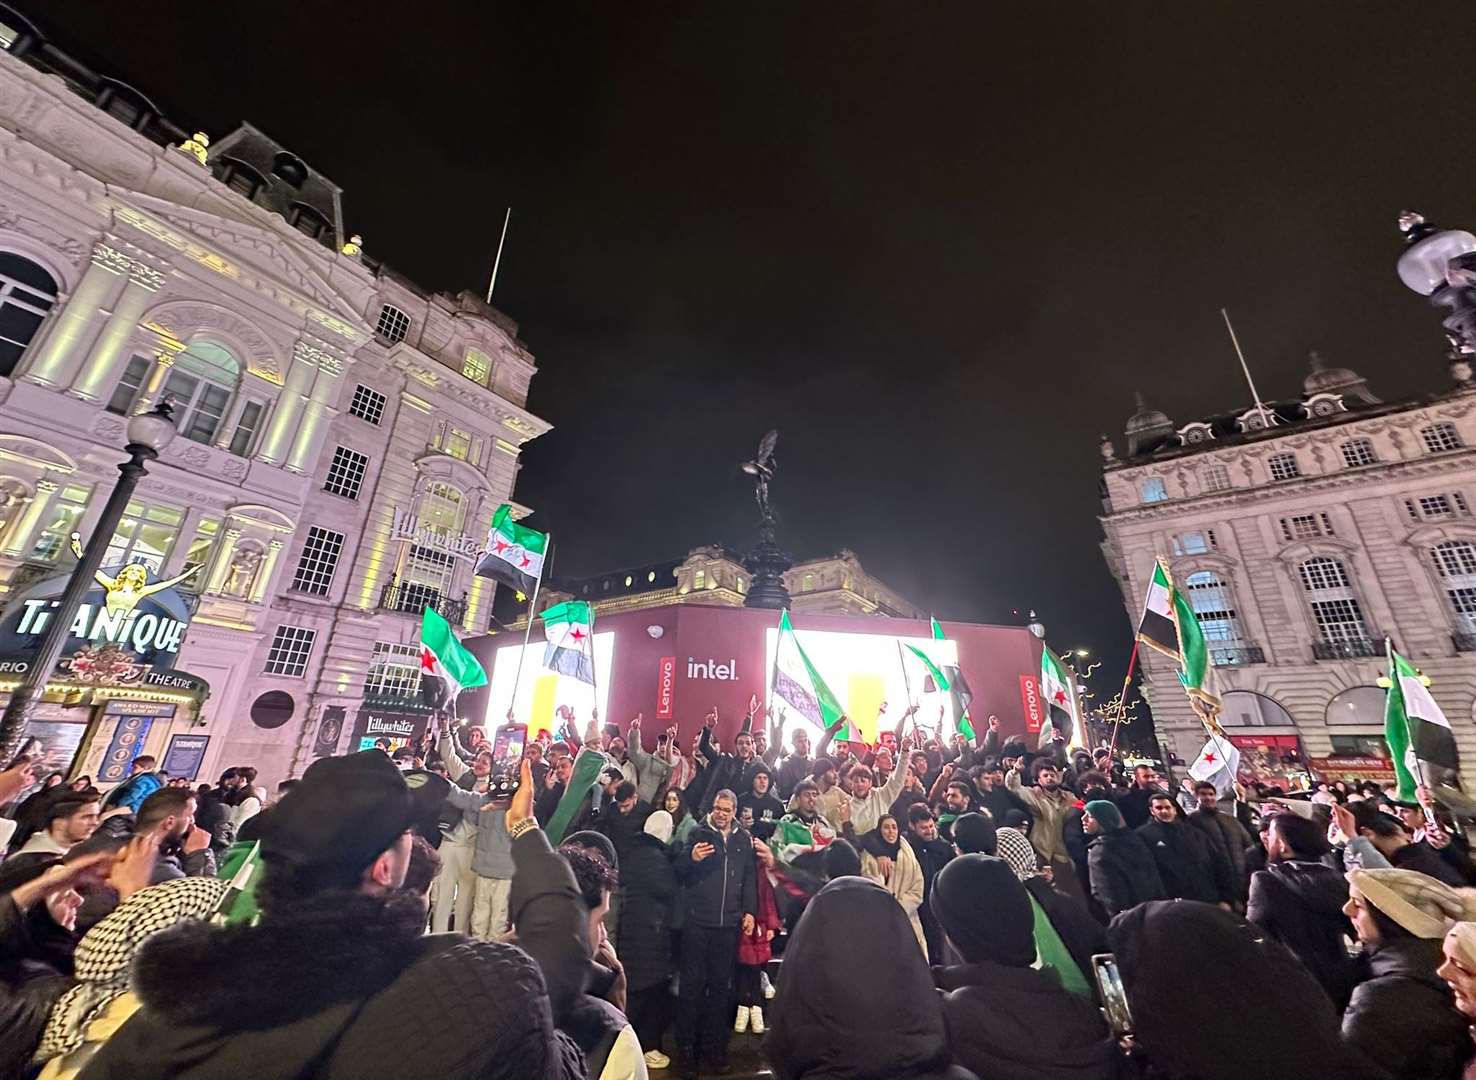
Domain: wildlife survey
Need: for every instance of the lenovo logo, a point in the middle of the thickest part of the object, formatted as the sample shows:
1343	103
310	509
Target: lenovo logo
1030	698
711	669
665	687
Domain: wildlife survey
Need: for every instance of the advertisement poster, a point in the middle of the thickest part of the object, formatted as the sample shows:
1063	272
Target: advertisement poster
1274	760
185	755
1378	769
133	723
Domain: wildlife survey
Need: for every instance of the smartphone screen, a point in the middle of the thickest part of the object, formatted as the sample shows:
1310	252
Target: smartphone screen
507	752
1114	996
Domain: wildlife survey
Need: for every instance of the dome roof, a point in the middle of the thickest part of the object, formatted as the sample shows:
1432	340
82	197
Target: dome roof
1146	419
1329	380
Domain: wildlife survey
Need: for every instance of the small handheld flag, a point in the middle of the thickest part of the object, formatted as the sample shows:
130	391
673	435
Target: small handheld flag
442	656
1414	726
514	554
569	629
799	685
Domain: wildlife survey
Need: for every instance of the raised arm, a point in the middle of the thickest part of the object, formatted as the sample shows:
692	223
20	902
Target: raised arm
633	745
824	748
893	787
940	785
446	748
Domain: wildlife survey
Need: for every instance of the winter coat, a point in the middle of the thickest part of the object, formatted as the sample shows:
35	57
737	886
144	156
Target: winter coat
649	889
622	829
1009	1023
858	1001
1422	857
792	770
754	948
1403	1015
932	856
652	770
133	791
765	808
999	802
35	971
1133	804
347	986
1300	904
906	884
492	852
1048	813
719	890
1228	838
724	770
1123	872
1186	862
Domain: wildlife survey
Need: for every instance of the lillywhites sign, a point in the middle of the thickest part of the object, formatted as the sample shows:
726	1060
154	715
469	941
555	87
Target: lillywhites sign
407	526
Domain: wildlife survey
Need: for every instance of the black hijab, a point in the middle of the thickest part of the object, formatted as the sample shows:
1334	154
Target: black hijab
875	845
857	1013
1167	948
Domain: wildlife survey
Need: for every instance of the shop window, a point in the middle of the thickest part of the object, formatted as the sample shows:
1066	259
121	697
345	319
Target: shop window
1359	745
128	386
1246	708
66	511
146	534
27	293
1357	705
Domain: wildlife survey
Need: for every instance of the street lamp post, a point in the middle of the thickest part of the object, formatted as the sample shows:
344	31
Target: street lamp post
1441	264
148	434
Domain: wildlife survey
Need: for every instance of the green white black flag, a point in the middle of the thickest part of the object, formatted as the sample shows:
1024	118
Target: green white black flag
569	629
1414	726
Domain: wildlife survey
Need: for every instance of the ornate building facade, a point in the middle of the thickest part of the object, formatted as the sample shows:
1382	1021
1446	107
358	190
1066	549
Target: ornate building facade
1303	533
343	435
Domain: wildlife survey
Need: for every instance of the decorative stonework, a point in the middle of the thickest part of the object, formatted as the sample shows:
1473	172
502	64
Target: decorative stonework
179	319
110	258
310	354
109	428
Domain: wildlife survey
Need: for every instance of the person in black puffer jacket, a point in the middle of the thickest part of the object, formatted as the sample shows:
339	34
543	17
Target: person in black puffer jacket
1299	900
650	887
1123	873
1186	860
339	979
758	808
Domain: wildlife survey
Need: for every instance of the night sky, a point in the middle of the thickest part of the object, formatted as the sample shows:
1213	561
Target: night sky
938	246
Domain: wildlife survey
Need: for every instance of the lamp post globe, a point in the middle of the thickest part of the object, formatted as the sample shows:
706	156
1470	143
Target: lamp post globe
148	434
1441	264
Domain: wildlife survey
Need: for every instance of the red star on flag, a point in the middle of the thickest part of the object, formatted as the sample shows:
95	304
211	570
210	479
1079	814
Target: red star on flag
499	546
1209	759
527	561
1060	697
427	661
577	634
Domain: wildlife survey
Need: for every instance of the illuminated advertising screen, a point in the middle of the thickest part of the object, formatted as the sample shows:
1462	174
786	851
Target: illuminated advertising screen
541	692
866	671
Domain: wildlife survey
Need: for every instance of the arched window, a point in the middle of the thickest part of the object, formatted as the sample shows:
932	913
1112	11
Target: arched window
202	382
1357	705
1209	596
27	293
1335	607
442	509
1441	436
1455	562
1246	708
1359	452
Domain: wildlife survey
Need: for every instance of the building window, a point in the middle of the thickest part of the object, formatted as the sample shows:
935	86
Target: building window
1334	606
247	425
66	511
1215	477
146	534
1190	543
1152	489
201	382
201	548
367	404
291	647
346	473
1455	562
442	509
1283	467
27	293
1440	437
1359	452
1306	526
129	385
1359	745
1447	504
394	671
308	221
1246	708
1357	705
318	561
427	578
393	324
1209	596
477	367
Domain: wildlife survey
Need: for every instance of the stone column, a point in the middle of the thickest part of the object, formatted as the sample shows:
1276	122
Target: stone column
164	357
277	445
318	408
215	575
22	534
267	571
58	358
105	364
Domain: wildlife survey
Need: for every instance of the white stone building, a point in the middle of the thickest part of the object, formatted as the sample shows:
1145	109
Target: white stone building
344	436
1303	533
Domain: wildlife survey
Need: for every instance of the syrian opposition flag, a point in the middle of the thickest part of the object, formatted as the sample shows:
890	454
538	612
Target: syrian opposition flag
442	656
958	689
799	685
1055	688
569	629
1414	727
1217	764
1196	671
514	554
1156	626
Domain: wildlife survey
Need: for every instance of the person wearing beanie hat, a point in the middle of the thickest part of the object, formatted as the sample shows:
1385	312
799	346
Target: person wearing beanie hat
758	807
649	887
1403	1016
975	834
1121	869
1004	1017
338	968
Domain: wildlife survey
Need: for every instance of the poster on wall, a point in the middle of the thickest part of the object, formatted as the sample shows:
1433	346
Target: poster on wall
133	721
330	728
1274	760
185	755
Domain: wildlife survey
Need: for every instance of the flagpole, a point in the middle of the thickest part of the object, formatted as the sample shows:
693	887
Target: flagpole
906	683
1122	697
498	260
528	630
1260	408
769	690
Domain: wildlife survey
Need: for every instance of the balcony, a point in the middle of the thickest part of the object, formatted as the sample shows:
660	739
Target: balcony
1347	650
1236	654
1464	640
412	598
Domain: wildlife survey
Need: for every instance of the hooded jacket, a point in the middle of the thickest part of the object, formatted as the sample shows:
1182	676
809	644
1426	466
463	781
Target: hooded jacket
766	808
345	986
1229	839
1403	1015
1123	872
1300	904
839	1019
649	886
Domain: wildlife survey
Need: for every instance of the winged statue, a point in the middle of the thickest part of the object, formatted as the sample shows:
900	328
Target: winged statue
762	468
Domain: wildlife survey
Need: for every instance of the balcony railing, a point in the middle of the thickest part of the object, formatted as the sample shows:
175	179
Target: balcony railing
1347	650
412	599
1464	640
1236	654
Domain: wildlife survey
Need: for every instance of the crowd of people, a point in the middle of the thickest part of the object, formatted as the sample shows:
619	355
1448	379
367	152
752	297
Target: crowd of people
907	908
